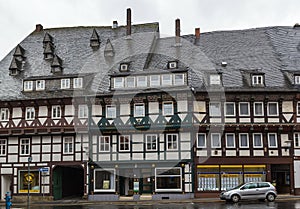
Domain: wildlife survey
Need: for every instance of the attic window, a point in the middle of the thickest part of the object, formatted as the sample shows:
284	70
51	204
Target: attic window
297	79
215	79
124	67
257	80
28	85
173	65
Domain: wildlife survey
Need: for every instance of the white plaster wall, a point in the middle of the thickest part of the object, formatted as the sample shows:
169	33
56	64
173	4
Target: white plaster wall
153	107
273	152
244	120
6	171
69	110
273	120
137	156
46	157
17	112
172	155
287	106
202	153
186	155
137	138
68	158
259	120
182	106
137	147
199	106
185	146
46	139
244	153
13	158
297	173
43	111
56	157
284	138
36	148
151	156
124	156
124	109
13	149
96	110
230	153
258	153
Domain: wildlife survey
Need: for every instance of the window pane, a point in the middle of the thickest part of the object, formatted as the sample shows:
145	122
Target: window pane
216	141
168	108
139	110
104	180
230	109
172	141
151	141
272	140
258	108
297	139
230	140
215	109
257	140
244	140
130	82
111	111
201	141
141	81
154	80
178	79
244	109
273	110
119	82
167	79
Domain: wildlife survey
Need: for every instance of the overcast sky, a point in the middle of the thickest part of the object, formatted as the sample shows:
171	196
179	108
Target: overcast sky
19	17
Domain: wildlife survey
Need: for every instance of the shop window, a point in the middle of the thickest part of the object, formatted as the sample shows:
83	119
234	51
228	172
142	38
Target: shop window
201	142
258	109
104	144
215	109
257	140
65	83
3	144
151	142
24	146
208	177
272	140
124	143
244	140
40	85
28	85
215	140
30	113
68	145
172	141
297	140
130	82
244	109
229	109
168	108
139	110
4	114
254	173
168	179
29	181
77	83
231	176
272	109
82	111
230	140
111	111
56	112
141	81
104	180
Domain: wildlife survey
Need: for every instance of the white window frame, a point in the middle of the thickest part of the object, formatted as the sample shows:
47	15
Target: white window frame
248	108
277	110
164	107
214	79
140	83
166	80
3	147
225	108
83	111
65	83
25	145
104	143
124	67
126	82
40	85
173	65
172	141
212	138
233	138
205	141
157	175
124	143
257	80
56	112
137	112
177	81
298	109
4	114
297	140
212	111
240	140
151	139
297	79
118	82
113	181
156	81
68	145
112	114
255	108
30	113
261	140
77	83
28	85
269	138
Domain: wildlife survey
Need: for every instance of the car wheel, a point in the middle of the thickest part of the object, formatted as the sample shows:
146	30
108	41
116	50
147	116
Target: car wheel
235	198
270	197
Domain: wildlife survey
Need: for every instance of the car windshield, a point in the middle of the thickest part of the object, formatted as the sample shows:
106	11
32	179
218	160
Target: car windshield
235	187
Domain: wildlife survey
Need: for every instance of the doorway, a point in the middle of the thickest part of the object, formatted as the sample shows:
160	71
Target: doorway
68	181
6	182
281	176
146	181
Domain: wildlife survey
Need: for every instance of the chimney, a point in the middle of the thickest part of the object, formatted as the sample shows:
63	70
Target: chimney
128	22
115	24
177	30
197	33
38	28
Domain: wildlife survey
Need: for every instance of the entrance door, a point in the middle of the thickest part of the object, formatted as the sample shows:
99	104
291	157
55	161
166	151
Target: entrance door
146	181
6	182
281	175
57	183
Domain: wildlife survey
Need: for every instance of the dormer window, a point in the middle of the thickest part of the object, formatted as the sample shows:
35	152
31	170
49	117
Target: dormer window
40	85
28	85
77	83
215	79
118	82
297	79
173	65
124	67
257	80
65	83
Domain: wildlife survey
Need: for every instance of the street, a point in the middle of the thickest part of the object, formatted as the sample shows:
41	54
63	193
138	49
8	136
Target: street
215	205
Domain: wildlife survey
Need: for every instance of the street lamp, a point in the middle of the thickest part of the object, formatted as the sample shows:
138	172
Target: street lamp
28	181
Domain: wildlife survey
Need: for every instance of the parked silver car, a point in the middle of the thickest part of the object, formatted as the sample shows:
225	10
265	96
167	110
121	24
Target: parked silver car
249	191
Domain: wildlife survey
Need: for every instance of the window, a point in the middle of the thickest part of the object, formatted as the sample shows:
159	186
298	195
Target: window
77	83
298	108
141	81
104	180
215	79
215	109
257	140
244	109
111	111
151	142
297	79
173	65
130	82
201	142
297	140
172	141
30	113
68	145
230	109
40	85
104	144
230	140
28	85
257	80
2	147
139	110
154	80
56	112
258	109
34	181
272	140
124	143
65	83
215	141
167	80
178	79
124	67
4	114
273	109
24	146
118	82
82	111
168	108
244	140
168	179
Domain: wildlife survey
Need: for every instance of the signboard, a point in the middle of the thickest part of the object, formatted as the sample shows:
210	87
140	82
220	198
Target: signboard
44	170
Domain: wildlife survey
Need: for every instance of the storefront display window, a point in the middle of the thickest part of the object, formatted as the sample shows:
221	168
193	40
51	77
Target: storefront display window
253	173
168	179
104	180
231	176
32	180
208	177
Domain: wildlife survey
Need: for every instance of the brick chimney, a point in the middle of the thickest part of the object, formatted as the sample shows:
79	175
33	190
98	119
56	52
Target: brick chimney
38	28
115	24
128	33
177	30
197	33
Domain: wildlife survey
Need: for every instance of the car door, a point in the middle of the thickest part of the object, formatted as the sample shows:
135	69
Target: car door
249	191
263	188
